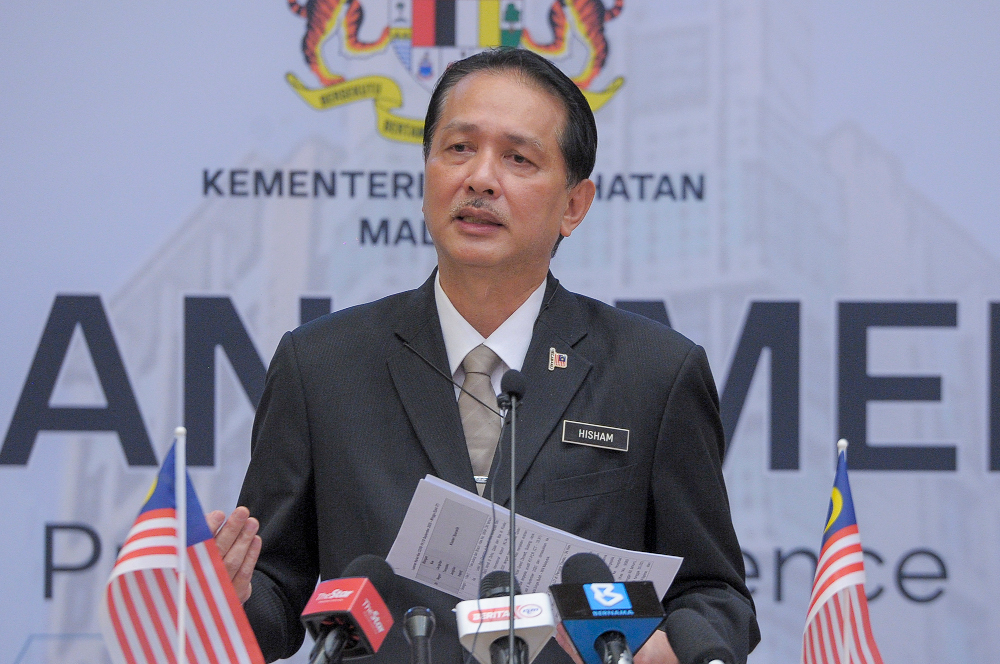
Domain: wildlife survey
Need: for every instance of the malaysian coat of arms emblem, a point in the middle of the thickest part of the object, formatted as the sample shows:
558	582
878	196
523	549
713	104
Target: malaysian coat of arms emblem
428	35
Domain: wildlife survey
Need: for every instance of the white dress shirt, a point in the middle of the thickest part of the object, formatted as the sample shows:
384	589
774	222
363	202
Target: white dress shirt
510	341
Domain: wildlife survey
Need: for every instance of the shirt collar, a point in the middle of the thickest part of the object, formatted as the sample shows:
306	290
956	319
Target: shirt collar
510	341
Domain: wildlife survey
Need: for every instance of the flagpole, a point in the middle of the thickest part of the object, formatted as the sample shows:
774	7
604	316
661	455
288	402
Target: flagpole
180	494
841	446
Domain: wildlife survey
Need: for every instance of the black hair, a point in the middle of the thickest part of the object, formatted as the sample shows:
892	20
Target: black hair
578	138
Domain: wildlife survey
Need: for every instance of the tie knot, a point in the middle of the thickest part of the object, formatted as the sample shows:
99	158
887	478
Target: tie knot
481	360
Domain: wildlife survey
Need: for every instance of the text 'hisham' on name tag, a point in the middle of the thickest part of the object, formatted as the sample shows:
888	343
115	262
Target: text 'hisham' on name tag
595	435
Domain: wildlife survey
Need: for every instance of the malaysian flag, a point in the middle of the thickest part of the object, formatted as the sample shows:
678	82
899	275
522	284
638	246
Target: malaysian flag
837	627
139	607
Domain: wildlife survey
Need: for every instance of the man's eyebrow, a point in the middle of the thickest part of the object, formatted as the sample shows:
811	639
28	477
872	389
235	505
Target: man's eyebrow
516	139
520	139
458	125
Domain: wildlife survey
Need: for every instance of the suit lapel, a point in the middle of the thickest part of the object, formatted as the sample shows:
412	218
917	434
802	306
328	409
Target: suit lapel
548	392
427	396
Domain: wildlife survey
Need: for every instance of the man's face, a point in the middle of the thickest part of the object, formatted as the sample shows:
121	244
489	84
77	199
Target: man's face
495	193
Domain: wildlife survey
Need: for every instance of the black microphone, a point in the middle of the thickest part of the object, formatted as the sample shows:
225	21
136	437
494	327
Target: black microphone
499	584
604	619
512	385
418	625
586	568
347	616
485	624
695	641
580	568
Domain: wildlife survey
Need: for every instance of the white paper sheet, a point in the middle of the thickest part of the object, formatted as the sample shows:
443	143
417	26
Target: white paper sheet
445	542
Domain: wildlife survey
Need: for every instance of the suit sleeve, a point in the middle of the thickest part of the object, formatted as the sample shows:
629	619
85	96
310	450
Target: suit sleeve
691	509
279	491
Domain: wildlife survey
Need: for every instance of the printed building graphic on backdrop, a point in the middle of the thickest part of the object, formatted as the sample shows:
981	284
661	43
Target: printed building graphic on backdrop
428	35
786	216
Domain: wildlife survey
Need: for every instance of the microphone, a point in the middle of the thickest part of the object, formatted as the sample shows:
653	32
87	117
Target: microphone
512	386
347	617
499	584
695	641
606	620
418	625
484	623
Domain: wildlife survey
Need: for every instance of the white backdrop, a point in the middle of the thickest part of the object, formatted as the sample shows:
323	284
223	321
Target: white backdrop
831	155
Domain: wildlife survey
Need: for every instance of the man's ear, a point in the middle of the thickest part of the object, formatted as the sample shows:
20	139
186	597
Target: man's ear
580	198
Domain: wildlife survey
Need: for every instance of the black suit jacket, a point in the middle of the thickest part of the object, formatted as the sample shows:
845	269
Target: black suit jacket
353	416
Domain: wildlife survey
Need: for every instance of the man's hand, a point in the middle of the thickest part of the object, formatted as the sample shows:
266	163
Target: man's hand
239	545
656	650
562	638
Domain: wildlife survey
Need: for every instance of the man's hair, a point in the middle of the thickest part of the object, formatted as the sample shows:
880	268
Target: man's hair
578	138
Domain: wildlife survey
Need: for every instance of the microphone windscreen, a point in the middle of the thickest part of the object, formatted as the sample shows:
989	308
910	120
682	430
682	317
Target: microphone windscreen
513	383
497	584
694	640
376	570
583	568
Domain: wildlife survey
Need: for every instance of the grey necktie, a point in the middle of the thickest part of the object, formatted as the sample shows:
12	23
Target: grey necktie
481	425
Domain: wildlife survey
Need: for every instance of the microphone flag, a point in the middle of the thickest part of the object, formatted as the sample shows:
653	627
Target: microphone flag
140	604
482	621
353	603
837	629
589	610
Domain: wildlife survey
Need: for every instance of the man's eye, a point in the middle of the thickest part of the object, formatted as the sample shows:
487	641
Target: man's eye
459	147
519	159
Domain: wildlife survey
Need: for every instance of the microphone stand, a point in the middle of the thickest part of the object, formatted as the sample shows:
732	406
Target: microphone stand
512	389
325	649
513	482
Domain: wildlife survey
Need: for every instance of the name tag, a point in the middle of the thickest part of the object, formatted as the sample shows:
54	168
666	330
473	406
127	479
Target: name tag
595	435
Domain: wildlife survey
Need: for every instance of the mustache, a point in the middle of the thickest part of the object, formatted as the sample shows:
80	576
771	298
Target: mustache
479	204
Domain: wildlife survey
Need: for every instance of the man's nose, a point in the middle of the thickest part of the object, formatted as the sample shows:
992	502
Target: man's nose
482	178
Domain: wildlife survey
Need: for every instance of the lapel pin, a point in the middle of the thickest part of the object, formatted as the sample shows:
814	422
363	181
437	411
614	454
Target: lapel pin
557	360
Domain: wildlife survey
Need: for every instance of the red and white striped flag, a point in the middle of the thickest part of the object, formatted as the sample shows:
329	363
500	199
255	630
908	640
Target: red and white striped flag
139	607
837	627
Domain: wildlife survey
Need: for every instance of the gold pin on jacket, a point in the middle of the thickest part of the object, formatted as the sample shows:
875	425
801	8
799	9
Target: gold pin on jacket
557	360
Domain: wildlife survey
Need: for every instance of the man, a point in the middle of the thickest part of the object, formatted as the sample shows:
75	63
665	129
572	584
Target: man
359	405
